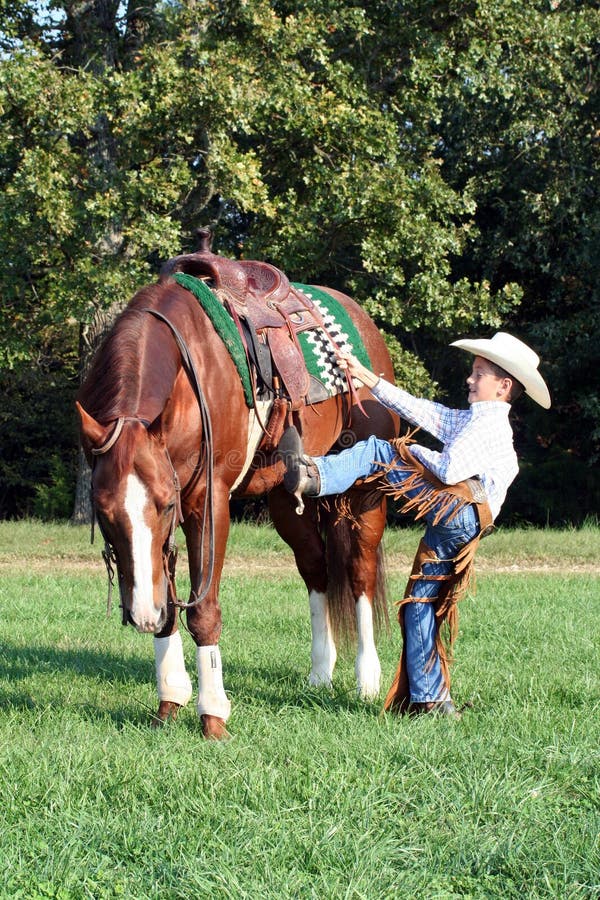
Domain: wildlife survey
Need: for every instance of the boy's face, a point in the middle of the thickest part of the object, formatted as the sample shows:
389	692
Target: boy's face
484	384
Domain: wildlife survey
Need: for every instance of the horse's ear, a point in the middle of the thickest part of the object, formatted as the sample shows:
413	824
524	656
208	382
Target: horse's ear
92	433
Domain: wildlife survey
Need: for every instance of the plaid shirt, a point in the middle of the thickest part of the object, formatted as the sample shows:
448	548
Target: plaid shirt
477	442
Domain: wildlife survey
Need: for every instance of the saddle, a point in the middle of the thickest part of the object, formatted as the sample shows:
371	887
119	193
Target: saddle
269	314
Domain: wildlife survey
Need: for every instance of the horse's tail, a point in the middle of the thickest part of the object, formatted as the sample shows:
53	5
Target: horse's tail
341	545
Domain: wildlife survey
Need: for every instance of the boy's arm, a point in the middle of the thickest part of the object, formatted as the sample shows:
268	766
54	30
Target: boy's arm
438	420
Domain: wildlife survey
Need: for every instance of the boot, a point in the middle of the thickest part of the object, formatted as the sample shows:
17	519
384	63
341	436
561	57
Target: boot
436	708
301	474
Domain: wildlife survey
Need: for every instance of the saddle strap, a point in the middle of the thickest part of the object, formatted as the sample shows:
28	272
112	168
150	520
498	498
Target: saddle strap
238	324
259	355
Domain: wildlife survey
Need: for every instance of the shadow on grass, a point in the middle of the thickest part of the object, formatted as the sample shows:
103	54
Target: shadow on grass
24	662
18	663
273	687
134	713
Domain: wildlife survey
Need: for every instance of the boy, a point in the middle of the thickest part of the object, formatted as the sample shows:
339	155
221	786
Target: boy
458	491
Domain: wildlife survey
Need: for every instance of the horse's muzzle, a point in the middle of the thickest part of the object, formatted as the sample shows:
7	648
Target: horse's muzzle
150	626
146	620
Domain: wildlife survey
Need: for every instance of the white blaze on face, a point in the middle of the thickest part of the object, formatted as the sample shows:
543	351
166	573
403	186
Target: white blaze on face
143	612
367	668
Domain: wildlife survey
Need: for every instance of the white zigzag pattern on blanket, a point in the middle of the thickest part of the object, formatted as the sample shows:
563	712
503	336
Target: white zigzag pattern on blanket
331	375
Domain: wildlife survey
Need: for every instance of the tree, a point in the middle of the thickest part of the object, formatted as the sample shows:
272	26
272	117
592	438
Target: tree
116	148
516	126
420	156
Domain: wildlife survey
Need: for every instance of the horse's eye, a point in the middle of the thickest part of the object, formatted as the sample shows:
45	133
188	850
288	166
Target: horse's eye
168	509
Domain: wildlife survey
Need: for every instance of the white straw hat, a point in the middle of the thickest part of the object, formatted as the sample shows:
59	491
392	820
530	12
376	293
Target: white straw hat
514	357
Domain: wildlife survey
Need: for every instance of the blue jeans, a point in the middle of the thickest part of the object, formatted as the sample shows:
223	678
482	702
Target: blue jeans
339	472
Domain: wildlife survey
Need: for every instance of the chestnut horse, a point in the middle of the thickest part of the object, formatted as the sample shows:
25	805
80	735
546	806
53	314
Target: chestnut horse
170	437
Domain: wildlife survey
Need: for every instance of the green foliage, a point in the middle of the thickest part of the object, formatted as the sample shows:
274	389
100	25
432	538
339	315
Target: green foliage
37	423
409	370
517	127
55	500
435	160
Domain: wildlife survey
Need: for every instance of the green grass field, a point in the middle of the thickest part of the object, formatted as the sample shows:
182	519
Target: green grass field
317	795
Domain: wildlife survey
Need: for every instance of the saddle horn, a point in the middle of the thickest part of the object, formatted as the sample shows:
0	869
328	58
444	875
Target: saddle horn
205	239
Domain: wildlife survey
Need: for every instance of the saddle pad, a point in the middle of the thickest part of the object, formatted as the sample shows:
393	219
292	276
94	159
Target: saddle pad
316	346
223	325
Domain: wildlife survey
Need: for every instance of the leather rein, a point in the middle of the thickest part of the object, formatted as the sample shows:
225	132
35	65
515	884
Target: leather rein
206	462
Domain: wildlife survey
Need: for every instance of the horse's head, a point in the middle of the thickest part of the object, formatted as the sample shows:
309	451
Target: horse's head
135	496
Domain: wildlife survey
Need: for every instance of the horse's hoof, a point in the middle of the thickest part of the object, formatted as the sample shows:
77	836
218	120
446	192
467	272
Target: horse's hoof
213	728
167	709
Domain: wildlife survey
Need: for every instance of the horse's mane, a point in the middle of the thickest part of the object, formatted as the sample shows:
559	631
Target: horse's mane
113	381
119	371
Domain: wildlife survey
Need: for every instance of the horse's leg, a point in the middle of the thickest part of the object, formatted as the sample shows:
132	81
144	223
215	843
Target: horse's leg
323	653
363	564
367	666
173	683
302	535
205	621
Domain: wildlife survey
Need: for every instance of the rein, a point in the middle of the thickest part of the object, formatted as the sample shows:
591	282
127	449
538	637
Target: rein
208	517
108	554
170	553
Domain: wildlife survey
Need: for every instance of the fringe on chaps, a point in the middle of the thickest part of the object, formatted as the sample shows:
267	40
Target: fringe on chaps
446	500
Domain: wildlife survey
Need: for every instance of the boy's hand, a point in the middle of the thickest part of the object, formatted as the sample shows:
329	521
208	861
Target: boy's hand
350	363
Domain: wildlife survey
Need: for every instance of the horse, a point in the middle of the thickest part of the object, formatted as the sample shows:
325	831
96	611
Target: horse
171	437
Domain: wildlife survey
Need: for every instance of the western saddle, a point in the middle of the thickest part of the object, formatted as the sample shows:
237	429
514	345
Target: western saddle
268	312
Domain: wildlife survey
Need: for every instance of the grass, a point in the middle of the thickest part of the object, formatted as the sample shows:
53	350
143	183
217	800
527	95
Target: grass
317	795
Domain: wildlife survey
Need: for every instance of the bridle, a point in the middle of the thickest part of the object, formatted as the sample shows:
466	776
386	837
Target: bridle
169	549
206	462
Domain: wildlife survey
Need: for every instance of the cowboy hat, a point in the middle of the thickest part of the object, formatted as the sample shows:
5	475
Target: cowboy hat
514	357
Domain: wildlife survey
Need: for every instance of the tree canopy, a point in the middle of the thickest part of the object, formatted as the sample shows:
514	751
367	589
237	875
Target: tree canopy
437	160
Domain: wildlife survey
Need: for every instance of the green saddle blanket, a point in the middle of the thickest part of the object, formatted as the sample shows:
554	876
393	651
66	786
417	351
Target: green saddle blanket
318	353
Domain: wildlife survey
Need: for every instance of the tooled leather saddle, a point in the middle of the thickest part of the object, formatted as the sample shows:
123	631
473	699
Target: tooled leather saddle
269	313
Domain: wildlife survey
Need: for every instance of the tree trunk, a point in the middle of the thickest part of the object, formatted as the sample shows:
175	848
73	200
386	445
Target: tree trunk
90	338
82	508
